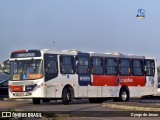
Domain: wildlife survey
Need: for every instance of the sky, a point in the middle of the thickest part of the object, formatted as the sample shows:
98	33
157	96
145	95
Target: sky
100	26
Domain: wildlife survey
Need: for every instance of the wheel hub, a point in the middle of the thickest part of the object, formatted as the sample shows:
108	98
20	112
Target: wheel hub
124	96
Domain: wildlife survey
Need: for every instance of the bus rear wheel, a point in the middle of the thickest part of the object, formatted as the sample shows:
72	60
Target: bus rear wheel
124	95
66	96
36	101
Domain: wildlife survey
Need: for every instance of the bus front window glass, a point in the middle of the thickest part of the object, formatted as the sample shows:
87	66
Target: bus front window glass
26	69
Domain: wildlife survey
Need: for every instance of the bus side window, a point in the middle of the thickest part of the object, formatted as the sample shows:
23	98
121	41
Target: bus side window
50	66
137	68
124	67
97	65
111	66
82	65
67	64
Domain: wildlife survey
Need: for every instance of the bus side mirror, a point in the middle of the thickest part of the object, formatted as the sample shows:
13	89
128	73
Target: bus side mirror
4	67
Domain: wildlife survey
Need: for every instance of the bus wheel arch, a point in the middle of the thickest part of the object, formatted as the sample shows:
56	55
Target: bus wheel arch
124	94
67	94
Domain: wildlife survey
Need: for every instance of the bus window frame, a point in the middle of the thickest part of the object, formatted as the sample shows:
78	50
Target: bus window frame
119	67
142	67
91	66
72	63
116	66
44	62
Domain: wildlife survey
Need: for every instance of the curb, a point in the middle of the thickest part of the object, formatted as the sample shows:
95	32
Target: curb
136	108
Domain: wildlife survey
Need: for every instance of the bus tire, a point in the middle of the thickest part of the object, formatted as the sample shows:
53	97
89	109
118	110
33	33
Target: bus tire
124	95
36	101
66	96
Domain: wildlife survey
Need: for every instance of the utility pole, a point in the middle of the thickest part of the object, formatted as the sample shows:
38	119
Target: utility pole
54	45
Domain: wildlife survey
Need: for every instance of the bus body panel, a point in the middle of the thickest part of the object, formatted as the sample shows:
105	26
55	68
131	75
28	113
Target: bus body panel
84	85
109	80
27	89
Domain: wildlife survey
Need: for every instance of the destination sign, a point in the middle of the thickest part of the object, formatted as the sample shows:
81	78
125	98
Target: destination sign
20	55
29	53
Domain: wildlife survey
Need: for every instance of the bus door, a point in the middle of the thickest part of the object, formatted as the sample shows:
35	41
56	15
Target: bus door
150	72
51	72
83	71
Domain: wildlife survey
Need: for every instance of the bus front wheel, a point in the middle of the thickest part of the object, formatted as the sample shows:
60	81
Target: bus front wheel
66	96
123	95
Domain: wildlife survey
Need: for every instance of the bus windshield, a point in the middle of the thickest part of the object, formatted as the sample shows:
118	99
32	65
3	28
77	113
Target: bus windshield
26	69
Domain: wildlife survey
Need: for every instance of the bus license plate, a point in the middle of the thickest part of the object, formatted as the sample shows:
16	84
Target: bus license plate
21	93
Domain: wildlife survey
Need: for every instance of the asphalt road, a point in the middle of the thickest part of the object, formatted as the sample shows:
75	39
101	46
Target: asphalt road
27	105
81	108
